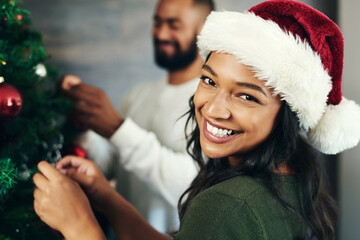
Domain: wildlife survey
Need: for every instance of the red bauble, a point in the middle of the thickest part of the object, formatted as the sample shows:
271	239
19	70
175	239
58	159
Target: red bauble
80	152
10	101
76	150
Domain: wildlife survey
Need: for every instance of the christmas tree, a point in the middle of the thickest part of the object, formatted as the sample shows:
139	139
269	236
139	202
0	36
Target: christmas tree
32	116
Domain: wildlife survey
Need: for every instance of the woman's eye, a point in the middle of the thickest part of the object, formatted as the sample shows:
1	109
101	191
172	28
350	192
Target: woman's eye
248	97
208	81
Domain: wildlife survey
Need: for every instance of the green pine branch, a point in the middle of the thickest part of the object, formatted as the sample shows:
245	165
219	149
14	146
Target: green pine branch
8	176
37	133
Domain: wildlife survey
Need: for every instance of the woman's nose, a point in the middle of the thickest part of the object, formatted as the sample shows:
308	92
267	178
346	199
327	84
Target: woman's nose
218	106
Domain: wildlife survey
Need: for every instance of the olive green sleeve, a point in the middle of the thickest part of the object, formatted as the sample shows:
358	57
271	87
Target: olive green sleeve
216	216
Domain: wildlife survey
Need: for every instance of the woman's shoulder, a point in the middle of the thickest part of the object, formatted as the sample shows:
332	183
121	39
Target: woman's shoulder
220	213
246	188
240	188
235	193
240	206
248	192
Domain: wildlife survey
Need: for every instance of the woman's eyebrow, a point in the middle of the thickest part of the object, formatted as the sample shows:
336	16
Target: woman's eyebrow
242	84
252	86
209	69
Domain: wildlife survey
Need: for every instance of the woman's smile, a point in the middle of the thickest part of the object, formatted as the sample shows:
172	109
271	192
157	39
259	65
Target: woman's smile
218	134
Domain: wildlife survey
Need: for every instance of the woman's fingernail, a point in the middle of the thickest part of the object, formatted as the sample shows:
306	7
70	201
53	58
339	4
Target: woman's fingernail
62	171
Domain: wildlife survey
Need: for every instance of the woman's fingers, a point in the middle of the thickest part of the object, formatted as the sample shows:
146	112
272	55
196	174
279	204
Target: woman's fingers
81	165
40	181
38	196
82	179
48	171
70	162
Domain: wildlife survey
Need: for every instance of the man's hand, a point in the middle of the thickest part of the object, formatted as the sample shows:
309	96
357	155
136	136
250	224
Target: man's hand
93	108
61	203
90	177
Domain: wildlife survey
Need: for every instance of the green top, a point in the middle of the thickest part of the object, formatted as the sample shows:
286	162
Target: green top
242	208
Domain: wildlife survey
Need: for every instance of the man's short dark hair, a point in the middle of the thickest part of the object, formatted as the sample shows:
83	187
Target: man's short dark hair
209	3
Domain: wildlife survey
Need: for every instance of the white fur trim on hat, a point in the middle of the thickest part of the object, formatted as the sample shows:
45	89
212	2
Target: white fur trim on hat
338	129
284	62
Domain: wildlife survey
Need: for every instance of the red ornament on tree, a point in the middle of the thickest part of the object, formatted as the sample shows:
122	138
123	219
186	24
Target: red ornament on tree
74	149
10	101
79	151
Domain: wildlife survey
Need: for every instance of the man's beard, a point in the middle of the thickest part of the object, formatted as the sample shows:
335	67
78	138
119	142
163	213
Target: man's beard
180	59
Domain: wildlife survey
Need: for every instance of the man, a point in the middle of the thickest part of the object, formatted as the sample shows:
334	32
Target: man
147	133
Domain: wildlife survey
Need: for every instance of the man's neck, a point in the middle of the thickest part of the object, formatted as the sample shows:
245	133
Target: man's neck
184	75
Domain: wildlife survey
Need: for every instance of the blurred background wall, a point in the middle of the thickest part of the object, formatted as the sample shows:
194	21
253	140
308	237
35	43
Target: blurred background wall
108	44
349	164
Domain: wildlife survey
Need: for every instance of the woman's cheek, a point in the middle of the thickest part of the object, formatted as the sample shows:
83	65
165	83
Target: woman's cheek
201	97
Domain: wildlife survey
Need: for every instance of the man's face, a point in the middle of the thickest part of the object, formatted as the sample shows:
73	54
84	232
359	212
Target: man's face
174	34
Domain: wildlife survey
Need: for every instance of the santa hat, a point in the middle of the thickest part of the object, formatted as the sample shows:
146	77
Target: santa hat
298	52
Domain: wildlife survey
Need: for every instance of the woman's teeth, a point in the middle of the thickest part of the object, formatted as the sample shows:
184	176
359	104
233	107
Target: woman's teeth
219	132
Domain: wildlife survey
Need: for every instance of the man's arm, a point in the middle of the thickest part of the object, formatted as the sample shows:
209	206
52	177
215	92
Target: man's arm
164	170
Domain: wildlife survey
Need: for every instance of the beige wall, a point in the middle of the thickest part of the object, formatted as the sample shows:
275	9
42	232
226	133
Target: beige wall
107	43
349	186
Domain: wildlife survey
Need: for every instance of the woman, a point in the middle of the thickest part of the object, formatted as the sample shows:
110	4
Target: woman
270	75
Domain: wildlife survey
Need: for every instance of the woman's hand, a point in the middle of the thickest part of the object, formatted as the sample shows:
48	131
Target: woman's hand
60	202
126	221
90	177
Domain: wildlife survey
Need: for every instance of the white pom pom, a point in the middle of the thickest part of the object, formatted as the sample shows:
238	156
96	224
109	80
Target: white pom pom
338	129
40	70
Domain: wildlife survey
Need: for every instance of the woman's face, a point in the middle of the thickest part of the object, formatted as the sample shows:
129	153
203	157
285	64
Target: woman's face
235	111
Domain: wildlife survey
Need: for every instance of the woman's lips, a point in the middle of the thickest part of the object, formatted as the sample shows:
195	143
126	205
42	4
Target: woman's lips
212	134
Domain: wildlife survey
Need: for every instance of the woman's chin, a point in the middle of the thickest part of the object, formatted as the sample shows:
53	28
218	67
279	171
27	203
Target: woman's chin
212	153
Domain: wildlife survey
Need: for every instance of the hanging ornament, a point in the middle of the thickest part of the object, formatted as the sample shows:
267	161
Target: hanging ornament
10	101
40	70
53	147
78	151
74	149
24	172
